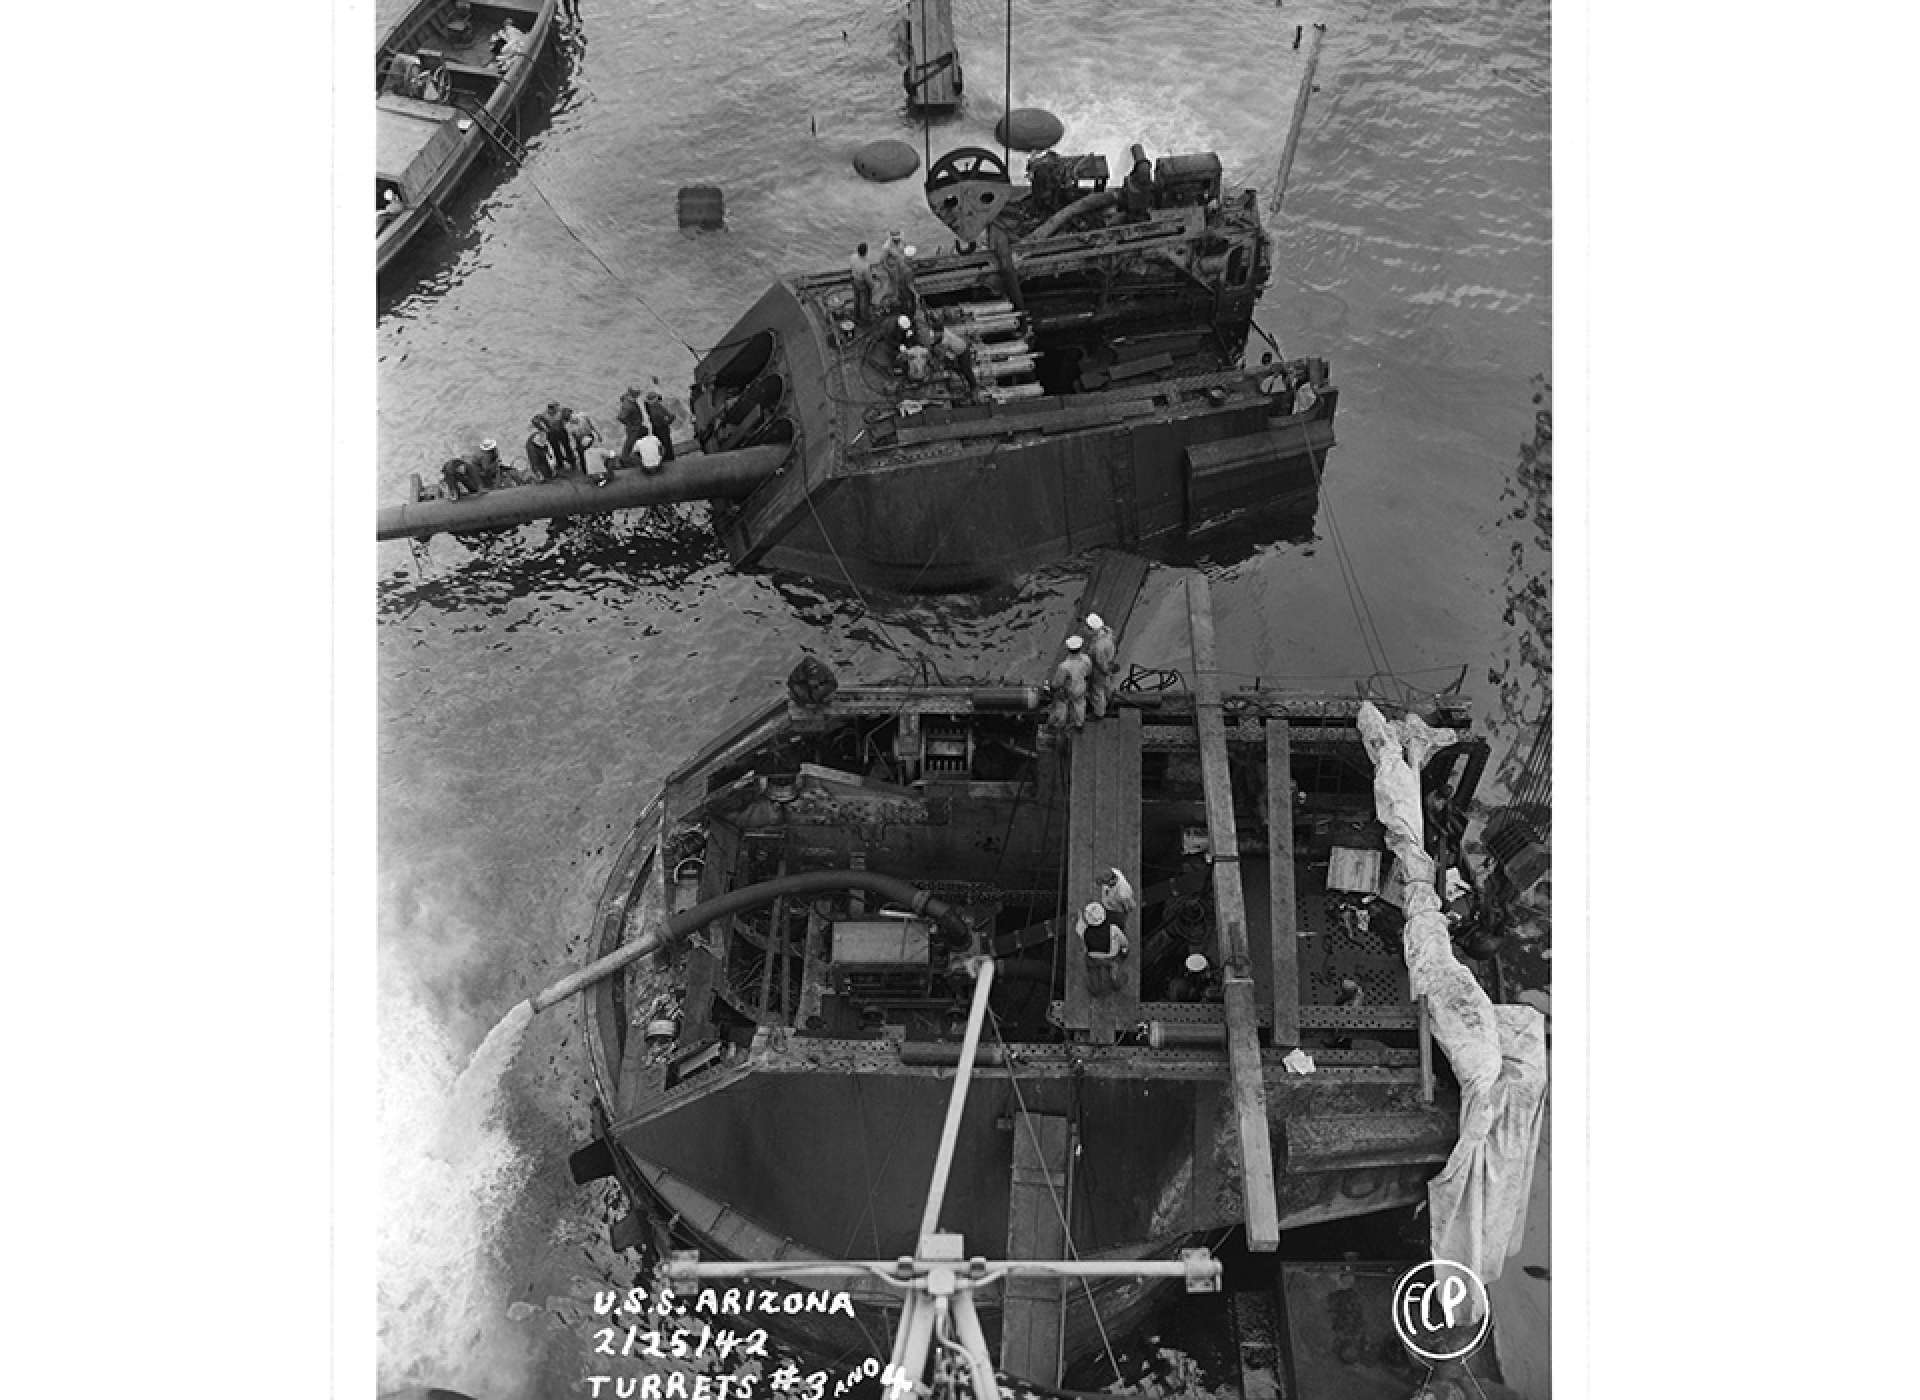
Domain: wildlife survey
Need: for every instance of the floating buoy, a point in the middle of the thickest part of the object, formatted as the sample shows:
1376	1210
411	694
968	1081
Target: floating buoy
702	206
1029	129
886	160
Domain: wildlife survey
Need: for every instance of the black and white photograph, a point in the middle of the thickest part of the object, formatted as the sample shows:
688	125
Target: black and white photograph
1023	699
964	641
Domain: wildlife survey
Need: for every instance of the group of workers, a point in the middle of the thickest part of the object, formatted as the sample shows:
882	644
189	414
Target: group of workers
561	441
922	347
1086	677
883	283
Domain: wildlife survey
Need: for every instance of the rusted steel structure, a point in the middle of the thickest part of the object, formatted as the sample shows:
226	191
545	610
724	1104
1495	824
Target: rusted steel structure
742	1067
1086	387
1103	399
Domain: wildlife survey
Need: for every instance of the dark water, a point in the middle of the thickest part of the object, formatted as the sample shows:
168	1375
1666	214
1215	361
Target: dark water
533	695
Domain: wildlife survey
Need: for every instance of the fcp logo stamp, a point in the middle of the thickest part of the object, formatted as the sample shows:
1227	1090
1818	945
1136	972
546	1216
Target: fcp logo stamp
1440	1311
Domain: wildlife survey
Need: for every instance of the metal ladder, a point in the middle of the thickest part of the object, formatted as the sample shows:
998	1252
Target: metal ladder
497	132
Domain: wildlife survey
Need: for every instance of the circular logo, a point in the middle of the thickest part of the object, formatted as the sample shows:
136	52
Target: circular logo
1441	1311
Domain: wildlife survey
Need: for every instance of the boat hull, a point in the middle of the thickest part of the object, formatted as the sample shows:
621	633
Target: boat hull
427	189
821	1158
976	521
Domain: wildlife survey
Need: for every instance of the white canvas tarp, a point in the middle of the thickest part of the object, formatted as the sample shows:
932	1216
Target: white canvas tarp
1498	1053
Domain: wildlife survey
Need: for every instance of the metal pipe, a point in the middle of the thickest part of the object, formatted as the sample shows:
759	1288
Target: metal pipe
697	477
957	1101
1086	204
1299	118
750	897
974	1338
945	1052
908	1311
916	1334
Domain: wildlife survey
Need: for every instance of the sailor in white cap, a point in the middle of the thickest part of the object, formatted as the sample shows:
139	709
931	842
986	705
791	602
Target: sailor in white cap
486	463
1069	686
1105	943
1192	983
898	271
1117	895
1103	650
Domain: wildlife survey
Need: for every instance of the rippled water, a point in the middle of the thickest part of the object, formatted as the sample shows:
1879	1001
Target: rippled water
533	695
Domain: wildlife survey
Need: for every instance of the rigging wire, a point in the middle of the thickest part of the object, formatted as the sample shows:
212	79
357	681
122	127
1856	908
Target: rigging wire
866	608
624	285
1349	576
1006	119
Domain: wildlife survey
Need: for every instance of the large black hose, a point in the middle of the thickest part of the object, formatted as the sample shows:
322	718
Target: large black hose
752	897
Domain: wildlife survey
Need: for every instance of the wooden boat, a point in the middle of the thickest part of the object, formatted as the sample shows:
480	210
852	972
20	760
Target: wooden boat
771	1082
448	88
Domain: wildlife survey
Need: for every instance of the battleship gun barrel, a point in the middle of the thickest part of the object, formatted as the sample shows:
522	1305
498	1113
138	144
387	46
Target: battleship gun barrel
696	477
750	897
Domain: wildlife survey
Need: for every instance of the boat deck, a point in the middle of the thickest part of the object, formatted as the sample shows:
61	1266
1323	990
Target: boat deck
1032	1313
406	129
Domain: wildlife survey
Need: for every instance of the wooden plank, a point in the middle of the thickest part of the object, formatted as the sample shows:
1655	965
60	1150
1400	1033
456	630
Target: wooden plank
1103	829
1119	845
1112	589
1426	1052
1031	1307
1083	808
1243	1036
934	56
1284	934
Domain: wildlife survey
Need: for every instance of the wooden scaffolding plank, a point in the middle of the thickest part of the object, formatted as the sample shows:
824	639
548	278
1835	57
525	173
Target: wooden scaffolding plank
1111	590
1285	936
1103	829
1120	846
1243	1035
930	31
1083	806
1031	1308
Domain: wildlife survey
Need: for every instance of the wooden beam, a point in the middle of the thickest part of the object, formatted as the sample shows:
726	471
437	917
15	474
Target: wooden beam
1032	1309
1426	1052
934	57
1243	1034
1285	935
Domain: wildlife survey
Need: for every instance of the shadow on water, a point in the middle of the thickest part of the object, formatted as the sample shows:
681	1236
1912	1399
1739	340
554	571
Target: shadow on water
659	548
1241	537
440	254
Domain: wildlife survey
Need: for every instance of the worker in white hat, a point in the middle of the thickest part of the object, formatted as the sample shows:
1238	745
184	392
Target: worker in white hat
1103	650
898	266
1194	982
1105	944
1069	686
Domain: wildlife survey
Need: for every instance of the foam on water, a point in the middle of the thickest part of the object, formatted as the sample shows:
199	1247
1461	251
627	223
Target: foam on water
450	1174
